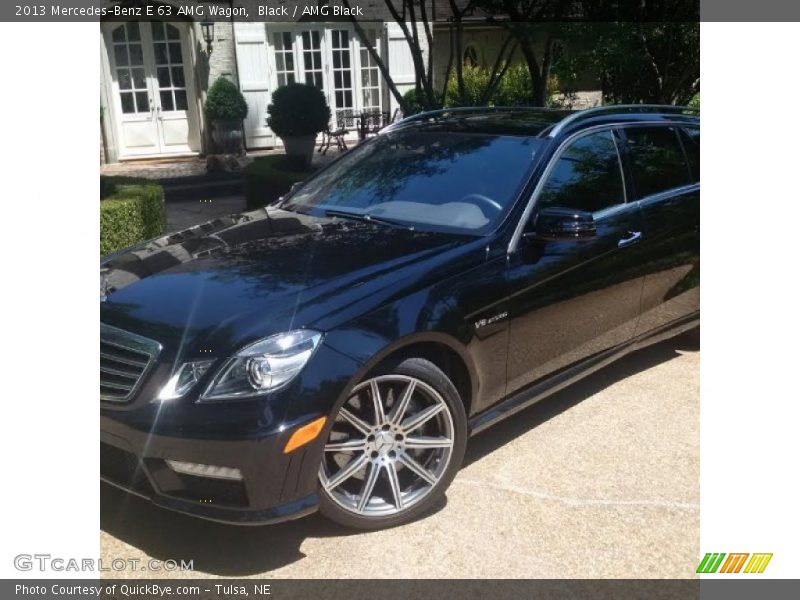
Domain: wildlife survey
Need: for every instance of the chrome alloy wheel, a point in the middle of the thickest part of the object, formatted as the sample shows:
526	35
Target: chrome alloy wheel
389	446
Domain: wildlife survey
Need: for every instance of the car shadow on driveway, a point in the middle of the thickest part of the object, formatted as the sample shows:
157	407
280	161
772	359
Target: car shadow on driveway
232	551
503	432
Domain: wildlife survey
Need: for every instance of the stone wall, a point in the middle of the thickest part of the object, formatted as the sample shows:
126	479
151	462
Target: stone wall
222	61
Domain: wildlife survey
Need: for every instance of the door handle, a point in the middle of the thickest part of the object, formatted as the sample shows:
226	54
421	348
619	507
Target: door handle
634	236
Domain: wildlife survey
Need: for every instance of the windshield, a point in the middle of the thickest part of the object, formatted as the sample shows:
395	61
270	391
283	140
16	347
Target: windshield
431	180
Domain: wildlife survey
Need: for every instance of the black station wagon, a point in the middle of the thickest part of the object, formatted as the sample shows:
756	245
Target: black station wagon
335	350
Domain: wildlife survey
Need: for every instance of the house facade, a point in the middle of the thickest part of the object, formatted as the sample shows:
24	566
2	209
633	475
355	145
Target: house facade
155	75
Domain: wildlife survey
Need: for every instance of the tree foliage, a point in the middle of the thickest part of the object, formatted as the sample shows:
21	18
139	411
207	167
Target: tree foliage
636	62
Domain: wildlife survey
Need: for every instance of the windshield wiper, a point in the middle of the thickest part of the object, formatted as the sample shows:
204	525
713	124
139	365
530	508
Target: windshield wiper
346	214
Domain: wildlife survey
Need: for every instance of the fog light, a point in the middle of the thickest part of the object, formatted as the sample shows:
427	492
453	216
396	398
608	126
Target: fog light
198	470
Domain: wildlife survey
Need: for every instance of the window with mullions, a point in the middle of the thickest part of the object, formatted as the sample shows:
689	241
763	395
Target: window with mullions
169	66
129	68
342	70
284	57
370	75
312	58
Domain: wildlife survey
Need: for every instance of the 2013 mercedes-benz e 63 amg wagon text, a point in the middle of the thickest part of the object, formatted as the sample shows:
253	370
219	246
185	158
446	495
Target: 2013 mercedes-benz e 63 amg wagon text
336	349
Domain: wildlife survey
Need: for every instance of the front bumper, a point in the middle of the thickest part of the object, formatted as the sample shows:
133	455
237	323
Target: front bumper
138	437
274	486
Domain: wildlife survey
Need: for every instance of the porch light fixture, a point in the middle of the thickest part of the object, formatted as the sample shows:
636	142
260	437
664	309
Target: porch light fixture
208	34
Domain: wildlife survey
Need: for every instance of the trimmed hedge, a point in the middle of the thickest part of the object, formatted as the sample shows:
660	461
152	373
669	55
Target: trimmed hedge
268	178
224	102
298	109
131	211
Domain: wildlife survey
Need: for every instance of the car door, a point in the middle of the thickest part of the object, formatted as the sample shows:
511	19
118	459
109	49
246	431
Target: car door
569	300
667	187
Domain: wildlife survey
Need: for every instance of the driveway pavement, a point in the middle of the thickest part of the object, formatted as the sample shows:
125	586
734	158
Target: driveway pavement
600	480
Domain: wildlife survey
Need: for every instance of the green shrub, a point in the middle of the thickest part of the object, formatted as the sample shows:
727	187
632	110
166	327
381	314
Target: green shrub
130	213
298	109
110	183
475	81
416	106
224	102
515	88
413	102
268	178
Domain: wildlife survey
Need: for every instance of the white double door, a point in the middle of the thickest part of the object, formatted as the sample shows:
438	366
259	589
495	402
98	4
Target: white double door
152	88
330	57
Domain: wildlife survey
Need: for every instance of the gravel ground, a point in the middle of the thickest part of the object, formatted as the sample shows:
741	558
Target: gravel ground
600	480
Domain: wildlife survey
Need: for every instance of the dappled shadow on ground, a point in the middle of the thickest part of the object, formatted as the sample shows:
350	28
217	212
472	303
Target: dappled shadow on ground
233	551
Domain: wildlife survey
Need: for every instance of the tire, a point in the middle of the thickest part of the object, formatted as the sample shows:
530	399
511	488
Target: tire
395	457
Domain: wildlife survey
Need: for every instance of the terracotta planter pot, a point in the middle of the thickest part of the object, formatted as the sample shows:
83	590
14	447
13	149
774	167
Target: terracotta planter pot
300	148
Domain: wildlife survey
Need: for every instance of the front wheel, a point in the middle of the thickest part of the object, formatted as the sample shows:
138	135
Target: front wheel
394	447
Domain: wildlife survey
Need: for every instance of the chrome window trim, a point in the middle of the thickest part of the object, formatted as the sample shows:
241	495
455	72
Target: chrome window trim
526	214
621	109
676	191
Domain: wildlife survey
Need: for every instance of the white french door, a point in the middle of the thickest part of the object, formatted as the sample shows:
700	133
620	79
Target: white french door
333	59
152	88
330	57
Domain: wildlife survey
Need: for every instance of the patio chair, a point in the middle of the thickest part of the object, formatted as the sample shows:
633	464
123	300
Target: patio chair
372	121
345	121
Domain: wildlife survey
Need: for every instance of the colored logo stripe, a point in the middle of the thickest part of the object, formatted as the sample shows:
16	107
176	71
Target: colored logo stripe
758	563
733	564
710	562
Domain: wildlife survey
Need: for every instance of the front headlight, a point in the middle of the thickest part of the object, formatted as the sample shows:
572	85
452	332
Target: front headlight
264	366
184	379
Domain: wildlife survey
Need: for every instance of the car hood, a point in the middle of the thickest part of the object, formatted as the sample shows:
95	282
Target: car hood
230	281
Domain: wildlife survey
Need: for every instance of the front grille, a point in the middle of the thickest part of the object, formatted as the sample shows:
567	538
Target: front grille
123	468
124	359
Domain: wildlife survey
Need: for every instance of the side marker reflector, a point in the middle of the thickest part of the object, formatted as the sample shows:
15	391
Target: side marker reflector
305	434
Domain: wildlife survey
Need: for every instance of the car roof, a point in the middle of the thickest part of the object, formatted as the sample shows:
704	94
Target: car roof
541	122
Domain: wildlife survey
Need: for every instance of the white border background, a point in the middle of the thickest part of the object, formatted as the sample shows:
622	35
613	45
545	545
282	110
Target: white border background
49	153
750	246
751	212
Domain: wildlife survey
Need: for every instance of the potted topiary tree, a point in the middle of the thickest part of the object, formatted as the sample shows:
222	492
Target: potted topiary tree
226	108
298	112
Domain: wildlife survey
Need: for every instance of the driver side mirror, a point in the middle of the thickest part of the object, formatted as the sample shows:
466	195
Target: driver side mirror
562	225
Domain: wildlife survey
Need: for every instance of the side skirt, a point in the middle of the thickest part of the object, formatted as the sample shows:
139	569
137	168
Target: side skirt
538	391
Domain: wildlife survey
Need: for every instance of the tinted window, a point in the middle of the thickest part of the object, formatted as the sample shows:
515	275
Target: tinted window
657	160
459	182
691	143
586	177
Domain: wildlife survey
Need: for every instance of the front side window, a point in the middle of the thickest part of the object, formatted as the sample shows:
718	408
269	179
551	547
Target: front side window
690	136
657	160
587	176
440	181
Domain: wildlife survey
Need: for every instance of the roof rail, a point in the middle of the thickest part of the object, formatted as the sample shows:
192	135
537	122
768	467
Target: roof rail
612	108
434	114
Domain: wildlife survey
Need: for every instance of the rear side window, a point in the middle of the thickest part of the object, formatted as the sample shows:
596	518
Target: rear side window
657	160
690	136
586	177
